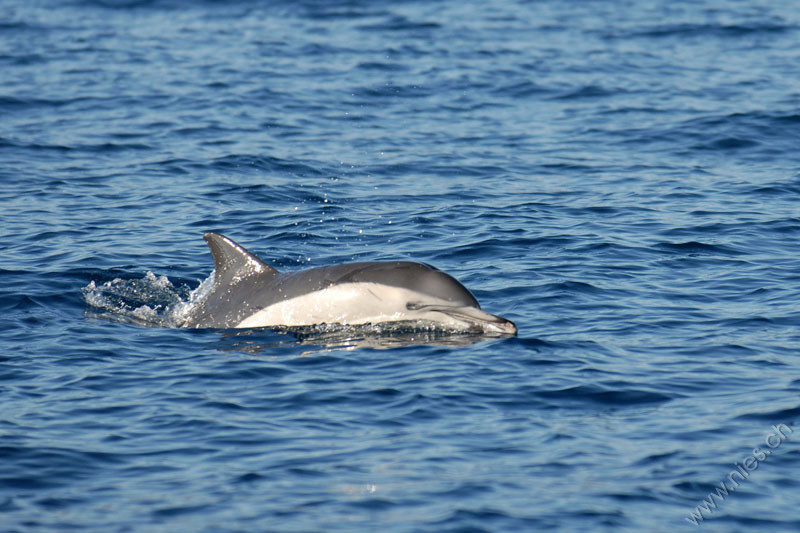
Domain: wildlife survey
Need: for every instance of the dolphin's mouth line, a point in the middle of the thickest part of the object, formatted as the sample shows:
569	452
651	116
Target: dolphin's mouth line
476	318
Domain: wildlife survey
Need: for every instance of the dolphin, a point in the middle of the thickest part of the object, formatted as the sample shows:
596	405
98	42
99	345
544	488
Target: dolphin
248	293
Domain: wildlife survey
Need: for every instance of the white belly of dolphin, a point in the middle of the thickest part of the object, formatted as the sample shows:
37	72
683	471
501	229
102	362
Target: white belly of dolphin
347	304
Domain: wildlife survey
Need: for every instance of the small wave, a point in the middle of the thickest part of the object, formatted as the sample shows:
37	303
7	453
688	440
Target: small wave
776	415
683	30
604	396
262	164
383	66
521	90
390	90
120	4
589	91
400	24
694	248
571	286
12	103
726	143
777	188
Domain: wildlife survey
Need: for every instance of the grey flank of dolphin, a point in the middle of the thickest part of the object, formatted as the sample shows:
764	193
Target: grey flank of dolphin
248	293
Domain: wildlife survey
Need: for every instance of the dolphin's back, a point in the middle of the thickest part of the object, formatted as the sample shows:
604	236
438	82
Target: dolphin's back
415	277
244	285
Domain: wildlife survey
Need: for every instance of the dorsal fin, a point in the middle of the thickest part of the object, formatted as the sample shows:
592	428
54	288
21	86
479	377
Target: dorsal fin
234	261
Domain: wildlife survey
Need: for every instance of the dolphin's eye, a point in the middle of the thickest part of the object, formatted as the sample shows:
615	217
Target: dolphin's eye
418	306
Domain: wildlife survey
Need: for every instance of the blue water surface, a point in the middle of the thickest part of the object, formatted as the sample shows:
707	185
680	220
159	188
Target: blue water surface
621	179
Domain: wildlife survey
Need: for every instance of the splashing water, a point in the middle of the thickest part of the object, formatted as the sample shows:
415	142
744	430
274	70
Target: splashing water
151	301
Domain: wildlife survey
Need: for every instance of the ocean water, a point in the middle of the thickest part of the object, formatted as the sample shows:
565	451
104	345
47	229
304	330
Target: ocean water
621	179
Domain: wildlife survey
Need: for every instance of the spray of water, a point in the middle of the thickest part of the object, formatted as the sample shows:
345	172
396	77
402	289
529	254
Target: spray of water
150	301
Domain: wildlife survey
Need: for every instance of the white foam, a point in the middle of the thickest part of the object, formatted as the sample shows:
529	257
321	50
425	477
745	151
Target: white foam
181	309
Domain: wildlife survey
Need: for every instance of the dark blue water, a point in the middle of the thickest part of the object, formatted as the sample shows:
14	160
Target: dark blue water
621	179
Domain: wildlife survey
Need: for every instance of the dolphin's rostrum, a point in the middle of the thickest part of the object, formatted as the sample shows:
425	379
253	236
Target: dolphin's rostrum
249	293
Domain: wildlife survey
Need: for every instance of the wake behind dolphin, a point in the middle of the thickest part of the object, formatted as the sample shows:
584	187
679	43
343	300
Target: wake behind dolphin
249	293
